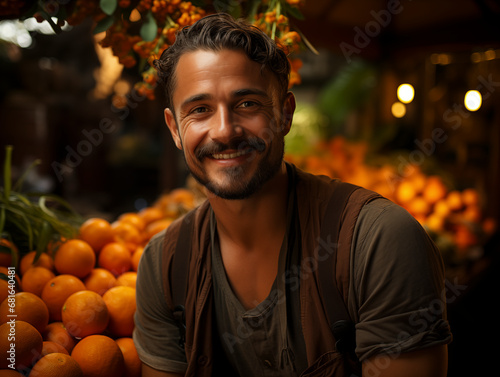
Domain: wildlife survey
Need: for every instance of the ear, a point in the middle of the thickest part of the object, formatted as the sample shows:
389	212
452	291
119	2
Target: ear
288	110
172	126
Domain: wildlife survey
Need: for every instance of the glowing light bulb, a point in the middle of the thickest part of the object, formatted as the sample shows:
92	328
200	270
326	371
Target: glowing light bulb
398	109
473	100
406	93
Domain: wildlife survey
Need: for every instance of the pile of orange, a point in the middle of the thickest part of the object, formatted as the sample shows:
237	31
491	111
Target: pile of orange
450	214
71	313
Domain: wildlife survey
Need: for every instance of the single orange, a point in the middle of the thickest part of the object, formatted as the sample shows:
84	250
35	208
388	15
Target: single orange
57	333
4	289
28	345
52	347
84	313
35	279
133	364
150	214
127	279
127	233
405	192
136	257
75	257
99	356
454	200
434	189
7	248
133	219
121	307
57	290
183	196
100	280
96	232
470	196
56	364
44	260
10	373
26	307
156	227
115	257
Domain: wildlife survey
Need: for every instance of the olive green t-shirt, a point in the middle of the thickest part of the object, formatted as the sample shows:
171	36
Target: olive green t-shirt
396	298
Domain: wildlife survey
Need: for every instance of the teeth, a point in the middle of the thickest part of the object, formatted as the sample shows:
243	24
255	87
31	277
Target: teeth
225	156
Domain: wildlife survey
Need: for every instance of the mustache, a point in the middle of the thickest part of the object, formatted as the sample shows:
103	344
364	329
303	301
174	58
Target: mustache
250	142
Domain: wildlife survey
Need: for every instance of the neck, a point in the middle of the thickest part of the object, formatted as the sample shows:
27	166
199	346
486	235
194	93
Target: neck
249	222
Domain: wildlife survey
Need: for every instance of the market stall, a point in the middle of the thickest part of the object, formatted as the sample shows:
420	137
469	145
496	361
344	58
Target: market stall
389	98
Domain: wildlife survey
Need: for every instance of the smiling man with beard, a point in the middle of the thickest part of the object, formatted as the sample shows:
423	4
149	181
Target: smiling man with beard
243	284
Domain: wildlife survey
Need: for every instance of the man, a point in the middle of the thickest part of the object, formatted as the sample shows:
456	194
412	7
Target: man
228	109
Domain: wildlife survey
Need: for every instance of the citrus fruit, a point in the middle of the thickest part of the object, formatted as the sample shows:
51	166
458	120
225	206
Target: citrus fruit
26	307
96	232
52	347
156	227
454	200
150	214
6	250
35	278
57	290
56	364
75	257
126	233
136	257
28	344
133	364
9	373
133	219
99	280
121	305
127	279
115	257
57	333
434	189
99	356
27	262
84	313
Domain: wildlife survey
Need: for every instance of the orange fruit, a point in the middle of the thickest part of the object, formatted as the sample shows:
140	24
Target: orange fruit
127	279
52	347
100	280
472	213
28	344
43	261
84	313
75	257
57	290
9	373
405	192
116	258
442	208
133	364
183	196
136	257
35	279
126	233
470	197
150	214
454	200
133	219
96	232
57	333
156	227
4	289
99	356
418	206
434	189
6	250
56	364
121	307
27	307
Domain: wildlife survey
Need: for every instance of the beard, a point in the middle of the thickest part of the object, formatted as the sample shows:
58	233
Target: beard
239	186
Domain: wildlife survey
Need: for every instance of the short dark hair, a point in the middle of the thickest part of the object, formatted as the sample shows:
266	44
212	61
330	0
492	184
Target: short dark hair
220	31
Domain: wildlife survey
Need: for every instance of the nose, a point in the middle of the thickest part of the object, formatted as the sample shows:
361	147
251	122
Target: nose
225	126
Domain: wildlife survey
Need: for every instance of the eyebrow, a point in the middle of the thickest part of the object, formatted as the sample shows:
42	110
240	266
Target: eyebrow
236	93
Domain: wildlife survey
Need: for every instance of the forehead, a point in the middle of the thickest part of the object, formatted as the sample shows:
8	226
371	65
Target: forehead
216	72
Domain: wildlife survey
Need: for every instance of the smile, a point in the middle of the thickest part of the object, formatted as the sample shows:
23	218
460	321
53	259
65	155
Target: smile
226	156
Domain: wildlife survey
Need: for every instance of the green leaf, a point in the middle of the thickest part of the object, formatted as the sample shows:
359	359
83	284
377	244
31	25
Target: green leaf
108	6
149	29
43	240
292	11
103	25
17	186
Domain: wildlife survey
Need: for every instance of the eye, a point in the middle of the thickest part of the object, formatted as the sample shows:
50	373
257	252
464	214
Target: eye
246	104
199	110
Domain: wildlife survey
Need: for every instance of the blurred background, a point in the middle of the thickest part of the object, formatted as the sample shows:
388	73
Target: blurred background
402	97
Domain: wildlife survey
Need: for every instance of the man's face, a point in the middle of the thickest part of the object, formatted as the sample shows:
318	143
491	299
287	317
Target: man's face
229	121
